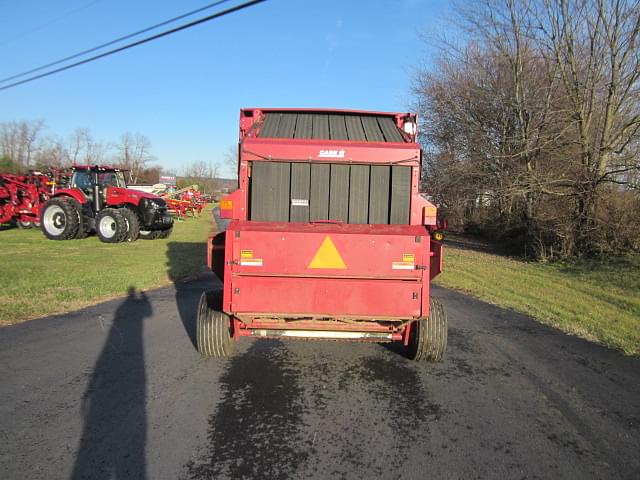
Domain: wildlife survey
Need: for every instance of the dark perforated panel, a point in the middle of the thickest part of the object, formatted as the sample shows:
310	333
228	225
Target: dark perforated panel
330	126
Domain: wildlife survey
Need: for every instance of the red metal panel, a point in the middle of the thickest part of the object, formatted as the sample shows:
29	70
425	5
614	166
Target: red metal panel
227	285
437	253
389	251
321	296
330	151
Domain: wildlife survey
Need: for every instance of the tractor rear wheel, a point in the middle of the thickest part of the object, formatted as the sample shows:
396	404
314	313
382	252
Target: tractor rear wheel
214	332
60	219
111	226
133	224
428	340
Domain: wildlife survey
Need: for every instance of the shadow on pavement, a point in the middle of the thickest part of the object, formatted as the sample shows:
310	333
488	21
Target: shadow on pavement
184	257
115	422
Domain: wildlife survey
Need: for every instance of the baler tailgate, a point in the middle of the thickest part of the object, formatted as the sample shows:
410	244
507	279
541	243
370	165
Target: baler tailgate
330	251
335	270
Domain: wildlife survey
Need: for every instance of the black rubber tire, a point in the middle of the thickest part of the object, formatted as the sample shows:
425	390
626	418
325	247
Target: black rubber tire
149	234
165	233
133	224
214	335
428	341
60	219
83	231
111	226
24	225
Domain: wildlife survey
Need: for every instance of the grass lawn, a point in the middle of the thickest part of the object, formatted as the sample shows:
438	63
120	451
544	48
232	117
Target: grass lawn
40	276
595	299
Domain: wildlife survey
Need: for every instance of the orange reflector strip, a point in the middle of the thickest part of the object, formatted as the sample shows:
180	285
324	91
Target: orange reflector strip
327	256
430	211
226	205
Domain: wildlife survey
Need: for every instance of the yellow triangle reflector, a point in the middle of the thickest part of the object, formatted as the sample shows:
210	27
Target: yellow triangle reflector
327	256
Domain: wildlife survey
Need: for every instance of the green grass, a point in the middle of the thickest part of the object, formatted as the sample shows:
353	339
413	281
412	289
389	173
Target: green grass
40	276
595	299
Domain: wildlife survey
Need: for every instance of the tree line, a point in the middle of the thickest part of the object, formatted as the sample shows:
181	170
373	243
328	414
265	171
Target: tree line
531	126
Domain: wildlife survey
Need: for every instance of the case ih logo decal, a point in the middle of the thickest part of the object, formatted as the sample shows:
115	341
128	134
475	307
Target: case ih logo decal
331	154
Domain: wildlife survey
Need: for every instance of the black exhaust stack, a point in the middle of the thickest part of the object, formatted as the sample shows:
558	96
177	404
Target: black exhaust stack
96	191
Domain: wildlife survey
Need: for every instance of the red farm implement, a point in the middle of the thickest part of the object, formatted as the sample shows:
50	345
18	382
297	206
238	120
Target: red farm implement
21	197
185	202
328	237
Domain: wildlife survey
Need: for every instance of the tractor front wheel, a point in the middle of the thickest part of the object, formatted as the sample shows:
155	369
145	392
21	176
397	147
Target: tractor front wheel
149	234
60	219
165	233
23	225
111	226
214	328
428	340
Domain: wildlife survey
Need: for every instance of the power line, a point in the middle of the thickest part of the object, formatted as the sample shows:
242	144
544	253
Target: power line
139	42
117	40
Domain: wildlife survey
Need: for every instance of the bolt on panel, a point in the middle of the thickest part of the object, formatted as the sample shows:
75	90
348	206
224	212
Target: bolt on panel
300	178
359	194
319	192
379	188
372	130
304	126
337	127
339	193
400	194
270	191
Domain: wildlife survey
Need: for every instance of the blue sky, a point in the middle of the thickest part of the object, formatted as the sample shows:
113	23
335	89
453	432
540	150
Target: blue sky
184	91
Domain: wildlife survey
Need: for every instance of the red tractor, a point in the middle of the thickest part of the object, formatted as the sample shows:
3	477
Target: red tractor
97	199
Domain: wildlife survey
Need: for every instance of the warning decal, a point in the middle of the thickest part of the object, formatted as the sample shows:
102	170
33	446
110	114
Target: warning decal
327	256
251	262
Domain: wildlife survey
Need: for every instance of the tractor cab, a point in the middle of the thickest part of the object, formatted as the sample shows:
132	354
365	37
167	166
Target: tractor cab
91	179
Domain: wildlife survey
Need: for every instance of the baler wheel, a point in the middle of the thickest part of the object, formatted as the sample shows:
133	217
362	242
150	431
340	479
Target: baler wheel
133	224
60	219
111	226
214	331
428	340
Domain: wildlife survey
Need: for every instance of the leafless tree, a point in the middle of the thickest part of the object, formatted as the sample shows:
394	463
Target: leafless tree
230	161
134	154
594	45
84	149
18	140
527	123
52	153
204	174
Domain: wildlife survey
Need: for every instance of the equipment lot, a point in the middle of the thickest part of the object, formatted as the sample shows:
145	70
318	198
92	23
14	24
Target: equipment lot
118	390
41	276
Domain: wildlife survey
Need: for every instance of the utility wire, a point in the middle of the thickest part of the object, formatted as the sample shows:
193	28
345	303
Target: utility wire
135	44
117	40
